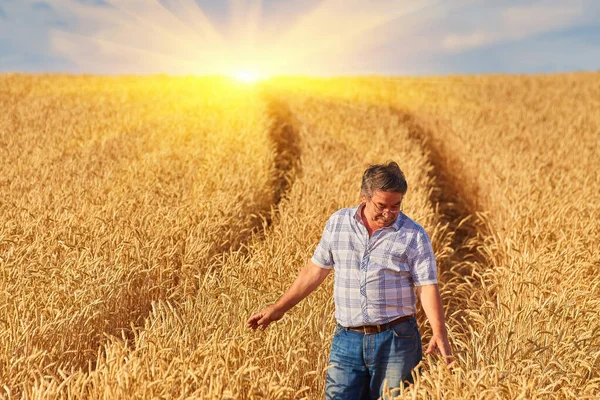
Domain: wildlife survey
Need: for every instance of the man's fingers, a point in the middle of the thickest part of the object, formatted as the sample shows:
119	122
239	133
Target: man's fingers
443	347
446	353
264	322
445	350
262	319
253	321
431	347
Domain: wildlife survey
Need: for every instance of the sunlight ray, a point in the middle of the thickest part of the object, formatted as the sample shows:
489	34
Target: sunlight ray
251	25
76	43
237	11
325	37
319	23
200	21
155	16
122	26
348	33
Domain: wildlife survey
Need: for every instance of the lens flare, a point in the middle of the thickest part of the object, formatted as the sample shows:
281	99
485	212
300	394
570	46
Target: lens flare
247	76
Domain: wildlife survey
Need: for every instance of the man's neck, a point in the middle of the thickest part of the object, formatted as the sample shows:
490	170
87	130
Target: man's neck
365	221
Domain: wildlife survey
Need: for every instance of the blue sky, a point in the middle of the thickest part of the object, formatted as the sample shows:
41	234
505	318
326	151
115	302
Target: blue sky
309	37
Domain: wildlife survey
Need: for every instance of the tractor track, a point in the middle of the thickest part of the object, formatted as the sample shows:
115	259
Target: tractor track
284	139
468	234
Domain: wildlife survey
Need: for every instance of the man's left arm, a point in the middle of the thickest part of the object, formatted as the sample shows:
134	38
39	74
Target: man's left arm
424	272
429	296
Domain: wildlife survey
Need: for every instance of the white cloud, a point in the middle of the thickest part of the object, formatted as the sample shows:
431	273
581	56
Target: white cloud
494	24
464	42
519	22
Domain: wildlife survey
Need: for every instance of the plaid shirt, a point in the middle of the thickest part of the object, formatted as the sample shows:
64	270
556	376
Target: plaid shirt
374	277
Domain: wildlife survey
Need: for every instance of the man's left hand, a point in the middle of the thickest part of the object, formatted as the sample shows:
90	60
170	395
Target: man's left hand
440	342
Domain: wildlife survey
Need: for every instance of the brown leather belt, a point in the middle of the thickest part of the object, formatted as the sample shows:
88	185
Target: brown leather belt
380	328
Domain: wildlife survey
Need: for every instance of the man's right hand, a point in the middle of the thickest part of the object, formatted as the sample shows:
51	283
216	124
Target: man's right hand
307	280
265	317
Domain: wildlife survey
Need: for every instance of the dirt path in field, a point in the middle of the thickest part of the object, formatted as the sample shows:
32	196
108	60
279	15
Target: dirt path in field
284	135
285	142
184	281
457	207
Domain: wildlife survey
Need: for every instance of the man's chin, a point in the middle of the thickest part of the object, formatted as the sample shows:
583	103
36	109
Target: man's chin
383	222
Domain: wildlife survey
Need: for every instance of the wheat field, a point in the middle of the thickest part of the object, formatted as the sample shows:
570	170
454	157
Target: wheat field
144	219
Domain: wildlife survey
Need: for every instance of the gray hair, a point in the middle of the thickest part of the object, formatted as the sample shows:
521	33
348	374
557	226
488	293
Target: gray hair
385	177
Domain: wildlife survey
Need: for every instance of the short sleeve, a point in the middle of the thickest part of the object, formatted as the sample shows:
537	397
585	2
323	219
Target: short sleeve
423	267
322	255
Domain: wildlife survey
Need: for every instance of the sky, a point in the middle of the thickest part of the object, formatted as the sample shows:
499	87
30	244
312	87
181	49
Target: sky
299	37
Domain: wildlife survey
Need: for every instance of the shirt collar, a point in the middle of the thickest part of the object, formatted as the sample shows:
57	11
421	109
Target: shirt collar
357	211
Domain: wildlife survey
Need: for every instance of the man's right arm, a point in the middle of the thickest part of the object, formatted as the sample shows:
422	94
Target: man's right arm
309	278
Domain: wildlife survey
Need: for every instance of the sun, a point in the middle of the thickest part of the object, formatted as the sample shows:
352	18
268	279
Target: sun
247	76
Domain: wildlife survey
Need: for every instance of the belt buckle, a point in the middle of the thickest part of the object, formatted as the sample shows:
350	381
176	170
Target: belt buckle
369	329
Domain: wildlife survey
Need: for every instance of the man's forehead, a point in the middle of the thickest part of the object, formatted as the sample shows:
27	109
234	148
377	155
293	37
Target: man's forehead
386	197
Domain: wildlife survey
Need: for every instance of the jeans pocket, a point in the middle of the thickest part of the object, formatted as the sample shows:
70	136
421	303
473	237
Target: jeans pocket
405	330
338	329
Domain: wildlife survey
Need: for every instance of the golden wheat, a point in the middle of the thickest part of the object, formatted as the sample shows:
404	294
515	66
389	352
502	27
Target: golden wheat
144	219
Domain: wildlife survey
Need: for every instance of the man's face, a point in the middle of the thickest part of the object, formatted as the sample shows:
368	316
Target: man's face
382	208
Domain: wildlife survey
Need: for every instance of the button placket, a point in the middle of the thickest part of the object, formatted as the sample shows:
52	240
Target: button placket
363	277
363	285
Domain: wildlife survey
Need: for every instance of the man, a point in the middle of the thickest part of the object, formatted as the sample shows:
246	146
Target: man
380	257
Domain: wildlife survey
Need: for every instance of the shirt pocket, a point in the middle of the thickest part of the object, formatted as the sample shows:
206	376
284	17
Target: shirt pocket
397	259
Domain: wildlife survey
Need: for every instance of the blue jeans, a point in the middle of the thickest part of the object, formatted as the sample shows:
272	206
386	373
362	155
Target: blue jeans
359	363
